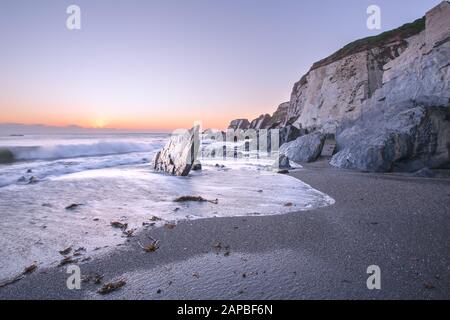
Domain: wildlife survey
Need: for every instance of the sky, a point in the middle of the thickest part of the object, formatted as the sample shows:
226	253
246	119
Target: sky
163	64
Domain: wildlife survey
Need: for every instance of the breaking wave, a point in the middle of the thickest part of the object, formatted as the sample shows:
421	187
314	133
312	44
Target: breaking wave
11	154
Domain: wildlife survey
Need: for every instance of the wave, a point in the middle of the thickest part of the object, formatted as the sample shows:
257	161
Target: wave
12	154
60	168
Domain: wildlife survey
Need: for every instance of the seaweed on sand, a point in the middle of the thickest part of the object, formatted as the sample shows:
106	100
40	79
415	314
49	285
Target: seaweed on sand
120	225
151	247
195	199
112	286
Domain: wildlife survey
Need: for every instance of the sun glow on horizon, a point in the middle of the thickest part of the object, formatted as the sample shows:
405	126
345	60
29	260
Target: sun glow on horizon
99	124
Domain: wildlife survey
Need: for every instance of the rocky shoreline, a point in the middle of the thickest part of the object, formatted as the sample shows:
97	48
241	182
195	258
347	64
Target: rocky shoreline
384	99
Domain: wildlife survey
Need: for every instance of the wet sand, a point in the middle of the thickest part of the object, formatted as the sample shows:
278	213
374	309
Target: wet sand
399	223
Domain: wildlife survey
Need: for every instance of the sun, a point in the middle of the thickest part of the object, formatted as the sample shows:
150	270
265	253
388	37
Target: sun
99	123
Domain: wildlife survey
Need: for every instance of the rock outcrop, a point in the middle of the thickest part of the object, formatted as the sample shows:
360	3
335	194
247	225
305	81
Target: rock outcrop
385	98
278	119
405	126
179	154
287	132
307	148
408	141
239	124
282	162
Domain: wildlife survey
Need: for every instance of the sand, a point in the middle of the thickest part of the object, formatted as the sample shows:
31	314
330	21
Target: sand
399	223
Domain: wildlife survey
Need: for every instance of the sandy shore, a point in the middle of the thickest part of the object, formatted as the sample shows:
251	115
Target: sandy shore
401	224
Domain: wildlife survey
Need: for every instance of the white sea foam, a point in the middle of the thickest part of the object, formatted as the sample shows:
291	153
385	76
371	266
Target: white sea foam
78	150
121	187
75	155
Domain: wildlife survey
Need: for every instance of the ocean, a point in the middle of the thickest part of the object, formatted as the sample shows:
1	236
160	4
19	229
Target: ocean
61	191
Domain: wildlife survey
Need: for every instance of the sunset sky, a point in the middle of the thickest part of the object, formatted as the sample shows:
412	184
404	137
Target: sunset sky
160	65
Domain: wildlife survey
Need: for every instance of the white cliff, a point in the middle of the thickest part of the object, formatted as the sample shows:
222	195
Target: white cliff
386	98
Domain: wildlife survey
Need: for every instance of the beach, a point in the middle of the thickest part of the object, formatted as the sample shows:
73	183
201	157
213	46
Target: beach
397	222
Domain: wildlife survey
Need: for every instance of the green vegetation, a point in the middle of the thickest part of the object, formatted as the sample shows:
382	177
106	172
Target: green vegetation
401	33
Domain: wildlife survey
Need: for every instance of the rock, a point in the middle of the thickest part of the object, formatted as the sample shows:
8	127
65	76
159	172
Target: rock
197	166
179	154
289	133
285	134
304	149
280	118
329	146
413	139
262	122
22	179
282	162
6	156
424	173
367	94
239	124
33	180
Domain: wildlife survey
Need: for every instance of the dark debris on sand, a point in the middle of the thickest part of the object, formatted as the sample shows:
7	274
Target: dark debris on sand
112	286
119	225
151	247
30	269
73	206
94	278
195	199
66	251
27	270
67	260
170	225
218	247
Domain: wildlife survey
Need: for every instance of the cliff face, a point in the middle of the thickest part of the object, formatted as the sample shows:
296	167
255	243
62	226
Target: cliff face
386	98
278	119
335	92
336	88
405	125
339	88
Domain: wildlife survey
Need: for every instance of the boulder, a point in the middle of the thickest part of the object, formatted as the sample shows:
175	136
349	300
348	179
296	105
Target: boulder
329	146
305	148
281	163
33	180
197	166
262	122
285	134
179	154
289	133
239	124
409	141
6	156
424	173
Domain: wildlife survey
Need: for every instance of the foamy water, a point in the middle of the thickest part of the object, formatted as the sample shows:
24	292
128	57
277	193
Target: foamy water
110	178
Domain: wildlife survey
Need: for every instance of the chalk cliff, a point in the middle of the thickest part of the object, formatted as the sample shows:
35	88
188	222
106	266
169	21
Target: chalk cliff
386	98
